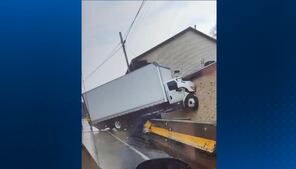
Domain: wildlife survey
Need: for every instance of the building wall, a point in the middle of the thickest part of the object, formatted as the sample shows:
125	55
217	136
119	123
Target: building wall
186	53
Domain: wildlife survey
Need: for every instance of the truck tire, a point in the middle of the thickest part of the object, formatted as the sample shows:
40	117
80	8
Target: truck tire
191	102
118	125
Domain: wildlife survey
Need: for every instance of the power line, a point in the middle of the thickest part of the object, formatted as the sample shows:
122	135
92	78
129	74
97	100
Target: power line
114	51
131	25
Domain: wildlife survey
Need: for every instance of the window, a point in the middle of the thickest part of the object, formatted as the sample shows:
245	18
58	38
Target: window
172	85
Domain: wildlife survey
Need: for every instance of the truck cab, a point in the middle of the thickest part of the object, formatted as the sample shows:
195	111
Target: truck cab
178	89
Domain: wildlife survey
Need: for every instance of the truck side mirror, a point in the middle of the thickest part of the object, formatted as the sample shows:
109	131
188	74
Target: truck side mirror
177	73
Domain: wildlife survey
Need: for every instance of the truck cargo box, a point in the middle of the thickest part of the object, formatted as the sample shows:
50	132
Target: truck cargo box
135	91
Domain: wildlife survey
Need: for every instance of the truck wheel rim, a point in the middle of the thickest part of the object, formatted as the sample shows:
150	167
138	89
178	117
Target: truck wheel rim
117	125
191	102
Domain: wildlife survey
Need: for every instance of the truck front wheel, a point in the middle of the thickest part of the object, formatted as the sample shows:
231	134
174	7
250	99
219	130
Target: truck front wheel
191	102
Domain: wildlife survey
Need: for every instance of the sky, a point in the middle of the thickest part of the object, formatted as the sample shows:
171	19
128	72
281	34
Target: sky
157	21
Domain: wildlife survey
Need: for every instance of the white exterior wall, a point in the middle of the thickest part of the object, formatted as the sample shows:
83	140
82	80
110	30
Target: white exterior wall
186	53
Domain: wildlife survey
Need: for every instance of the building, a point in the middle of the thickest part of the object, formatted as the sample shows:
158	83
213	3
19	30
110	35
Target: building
193	53
188	51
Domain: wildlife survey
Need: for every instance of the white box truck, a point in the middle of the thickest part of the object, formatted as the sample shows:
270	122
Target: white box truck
137	92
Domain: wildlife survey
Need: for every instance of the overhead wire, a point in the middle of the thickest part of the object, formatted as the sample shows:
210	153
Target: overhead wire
131	25
114	51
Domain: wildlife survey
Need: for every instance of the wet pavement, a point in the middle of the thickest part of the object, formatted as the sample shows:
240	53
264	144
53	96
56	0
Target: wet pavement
116	150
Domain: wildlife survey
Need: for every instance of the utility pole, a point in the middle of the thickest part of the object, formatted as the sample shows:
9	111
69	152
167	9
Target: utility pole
123	47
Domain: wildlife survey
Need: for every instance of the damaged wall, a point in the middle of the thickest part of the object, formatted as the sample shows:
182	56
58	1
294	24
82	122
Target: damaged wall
205	81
